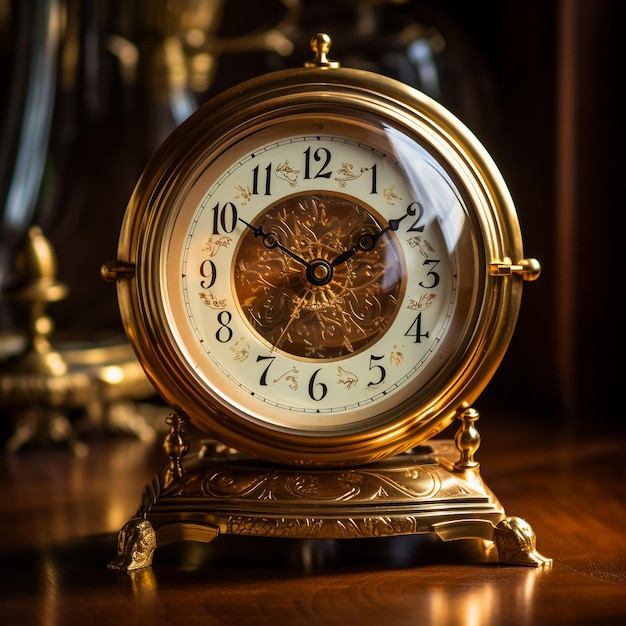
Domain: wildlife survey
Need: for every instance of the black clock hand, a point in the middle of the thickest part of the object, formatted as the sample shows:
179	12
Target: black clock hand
367	241
270	241
319	272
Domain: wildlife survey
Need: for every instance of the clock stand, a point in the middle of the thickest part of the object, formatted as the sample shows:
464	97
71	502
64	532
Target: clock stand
321	219
424	490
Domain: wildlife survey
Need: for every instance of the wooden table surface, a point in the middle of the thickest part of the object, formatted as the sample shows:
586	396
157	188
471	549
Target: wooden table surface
59	517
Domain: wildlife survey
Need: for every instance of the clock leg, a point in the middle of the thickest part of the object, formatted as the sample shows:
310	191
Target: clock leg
513	537
516	543
136	543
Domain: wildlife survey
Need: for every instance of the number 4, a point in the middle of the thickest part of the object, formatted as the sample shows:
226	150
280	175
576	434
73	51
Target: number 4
415	330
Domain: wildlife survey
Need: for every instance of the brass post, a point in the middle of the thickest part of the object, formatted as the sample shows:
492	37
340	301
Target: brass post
467	440
175	446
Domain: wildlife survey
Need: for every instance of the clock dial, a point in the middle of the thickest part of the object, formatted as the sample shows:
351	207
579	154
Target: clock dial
317	280
320	266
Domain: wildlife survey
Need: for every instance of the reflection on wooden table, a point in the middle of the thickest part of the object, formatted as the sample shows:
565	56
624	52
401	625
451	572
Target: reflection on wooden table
59	516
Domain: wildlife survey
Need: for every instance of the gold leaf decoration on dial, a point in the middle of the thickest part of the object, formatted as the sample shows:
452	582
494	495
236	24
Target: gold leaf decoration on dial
295	297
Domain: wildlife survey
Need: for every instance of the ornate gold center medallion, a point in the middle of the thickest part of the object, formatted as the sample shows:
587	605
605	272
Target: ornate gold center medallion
314	277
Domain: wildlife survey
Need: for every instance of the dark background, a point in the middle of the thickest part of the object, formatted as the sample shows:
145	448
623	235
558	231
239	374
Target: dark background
537	81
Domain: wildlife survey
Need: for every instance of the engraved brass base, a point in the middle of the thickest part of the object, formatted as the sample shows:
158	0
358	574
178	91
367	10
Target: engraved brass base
223	492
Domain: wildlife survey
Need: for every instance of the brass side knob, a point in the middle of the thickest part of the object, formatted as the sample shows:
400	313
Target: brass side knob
112	271
528	269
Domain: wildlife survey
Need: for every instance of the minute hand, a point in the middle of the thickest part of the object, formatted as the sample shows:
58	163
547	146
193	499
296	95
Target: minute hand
270	241
366	242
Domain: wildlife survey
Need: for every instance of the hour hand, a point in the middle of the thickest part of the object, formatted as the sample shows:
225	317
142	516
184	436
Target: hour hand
270	241
366	242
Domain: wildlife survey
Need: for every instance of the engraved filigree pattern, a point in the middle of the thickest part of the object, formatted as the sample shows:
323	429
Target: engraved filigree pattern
346	378
391	195
346	173
240	350
423	303
286	172
211	301
318	321
402	484
423	245
243	194
312	528
213	246
396	357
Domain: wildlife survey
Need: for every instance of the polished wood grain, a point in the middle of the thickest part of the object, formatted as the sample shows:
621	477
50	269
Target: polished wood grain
59	516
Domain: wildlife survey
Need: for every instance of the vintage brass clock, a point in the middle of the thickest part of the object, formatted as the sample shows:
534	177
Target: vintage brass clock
322	269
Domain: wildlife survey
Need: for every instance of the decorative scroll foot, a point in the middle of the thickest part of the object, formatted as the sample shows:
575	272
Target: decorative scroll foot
138	540
136	543
516	544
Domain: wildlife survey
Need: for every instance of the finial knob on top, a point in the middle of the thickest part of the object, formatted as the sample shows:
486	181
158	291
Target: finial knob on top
320	44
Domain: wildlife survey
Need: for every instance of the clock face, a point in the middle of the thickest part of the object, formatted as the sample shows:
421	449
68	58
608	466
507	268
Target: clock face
311	277
318	277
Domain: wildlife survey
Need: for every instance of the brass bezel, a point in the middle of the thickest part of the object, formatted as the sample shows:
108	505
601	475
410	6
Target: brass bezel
322	89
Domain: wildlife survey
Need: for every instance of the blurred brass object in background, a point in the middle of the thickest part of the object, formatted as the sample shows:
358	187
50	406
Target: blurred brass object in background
36	287
43	385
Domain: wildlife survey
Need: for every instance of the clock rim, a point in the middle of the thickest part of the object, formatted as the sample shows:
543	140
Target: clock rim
242	107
